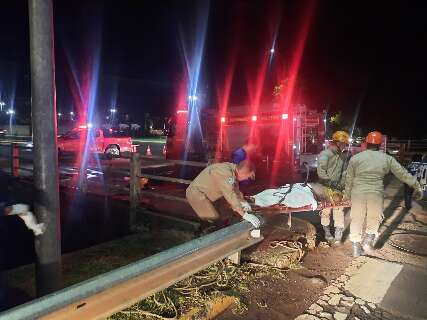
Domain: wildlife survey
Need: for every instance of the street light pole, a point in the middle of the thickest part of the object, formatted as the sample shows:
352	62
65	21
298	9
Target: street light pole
48	245
112	115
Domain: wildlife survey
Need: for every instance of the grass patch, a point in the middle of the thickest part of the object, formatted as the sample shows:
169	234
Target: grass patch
84	264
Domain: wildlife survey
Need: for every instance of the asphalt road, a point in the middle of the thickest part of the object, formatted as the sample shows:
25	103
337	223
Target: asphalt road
68	162
156	144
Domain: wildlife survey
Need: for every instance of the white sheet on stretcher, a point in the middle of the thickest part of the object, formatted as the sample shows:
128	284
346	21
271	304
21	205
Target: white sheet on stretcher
299	196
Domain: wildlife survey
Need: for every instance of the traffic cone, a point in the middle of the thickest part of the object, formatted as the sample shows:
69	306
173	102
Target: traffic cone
164	151
148	153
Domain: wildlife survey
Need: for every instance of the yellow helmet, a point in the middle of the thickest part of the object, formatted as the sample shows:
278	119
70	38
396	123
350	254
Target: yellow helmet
341	136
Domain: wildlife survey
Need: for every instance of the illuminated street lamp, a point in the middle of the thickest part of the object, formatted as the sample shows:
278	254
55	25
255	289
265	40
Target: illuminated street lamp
11	112
113	112
59	114
272	50
72	115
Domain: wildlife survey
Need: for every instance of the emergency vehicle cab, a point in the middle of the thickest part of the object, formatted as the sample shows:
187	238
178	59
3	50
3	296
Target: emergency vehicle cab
301	133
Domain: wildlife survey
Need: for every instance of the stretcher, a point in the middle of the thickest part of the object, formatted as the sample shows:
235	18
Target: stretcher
299	197
280	209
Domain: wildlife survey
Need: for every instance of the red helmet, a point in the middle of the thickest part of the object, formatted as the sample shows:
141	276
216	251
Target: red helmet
374	137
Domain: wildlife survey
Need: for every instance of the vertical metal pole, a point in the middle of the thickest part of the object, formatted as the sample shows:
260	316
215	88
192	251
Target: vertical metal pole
48	245
135	188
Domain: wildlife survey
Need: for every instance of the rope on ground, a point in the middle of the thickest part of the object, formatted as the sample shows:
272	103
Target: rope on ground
147	314
290	245
403	249
196	290
167	304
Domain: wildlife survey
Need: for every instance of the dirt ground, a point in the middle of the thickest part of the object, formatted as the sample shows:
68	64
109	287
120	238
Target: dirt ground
284	299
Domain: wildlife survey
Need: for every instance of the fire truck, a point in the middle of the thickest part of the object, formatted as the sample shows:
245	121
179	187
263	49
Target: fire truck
300	131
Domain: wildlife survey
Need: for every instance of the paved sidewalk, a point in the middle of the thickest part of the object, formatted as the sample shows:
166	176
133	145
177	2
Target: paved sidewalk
373	289
390	284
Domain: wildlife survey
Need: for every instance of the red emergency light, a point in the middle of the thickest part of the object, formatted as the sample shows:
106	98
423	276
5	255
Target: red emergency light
254	118
222	119
285	116
182	111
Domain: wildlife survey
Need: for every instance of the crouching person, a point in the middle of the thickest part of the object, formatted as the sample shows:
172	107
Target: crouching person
217	181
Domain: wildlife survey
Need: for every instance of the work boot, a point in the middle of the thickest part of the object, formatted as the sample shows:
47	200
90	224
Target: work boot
368	243
328	235
357	249
338	235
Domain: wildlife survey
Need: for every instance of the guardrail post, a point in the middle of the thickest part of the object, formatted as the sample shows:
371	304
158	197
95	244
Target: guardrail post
401	152
235	257
135	188
14	169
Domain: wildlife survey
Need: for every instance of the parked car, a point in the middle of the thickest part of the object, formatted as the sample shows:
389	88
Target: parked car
104	142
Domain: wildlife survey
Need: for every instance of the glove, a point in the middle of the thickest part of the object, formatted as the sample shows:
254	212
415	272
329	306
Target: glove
252	219
418	193
336	185
19	208
246	206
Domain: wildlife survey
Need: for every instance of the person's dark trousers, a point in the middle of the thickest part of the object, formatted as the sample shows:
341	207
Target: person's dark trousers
408	191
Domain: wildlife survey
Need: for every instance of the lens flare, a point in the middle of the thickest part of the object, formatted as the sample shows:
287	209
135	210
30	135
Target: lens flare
83	84
286	131
193	57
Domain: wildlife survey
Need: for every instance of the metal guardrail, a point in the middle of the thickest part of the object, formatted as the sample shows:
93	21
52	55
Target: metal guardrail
179	162
108	293
163	196
165	179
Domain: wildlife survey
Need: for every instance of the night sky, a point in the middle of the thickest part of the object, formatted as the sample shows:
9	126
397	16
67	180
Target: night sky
371	54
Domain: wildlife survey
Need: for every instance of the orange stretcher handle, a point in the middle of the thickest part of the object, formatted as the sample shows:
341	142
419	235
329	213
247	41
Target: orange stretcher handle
278	209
